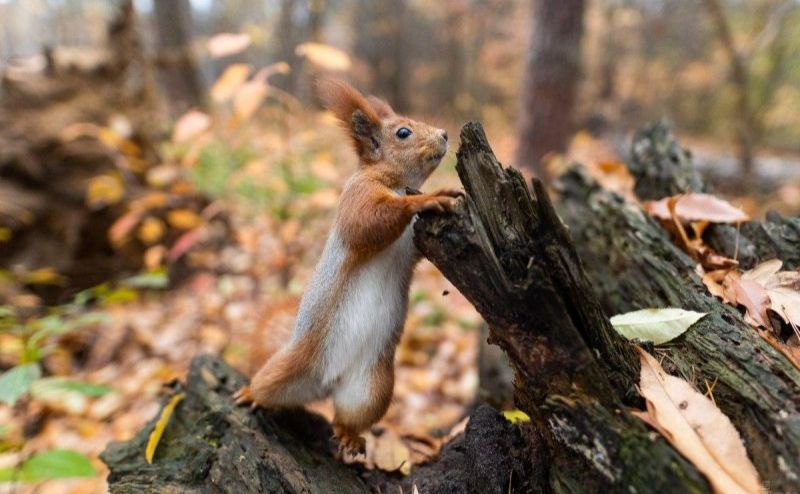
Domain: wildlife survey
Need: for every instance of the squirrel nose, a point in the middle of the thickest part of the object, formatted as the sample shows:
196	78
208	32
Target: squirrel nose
444	134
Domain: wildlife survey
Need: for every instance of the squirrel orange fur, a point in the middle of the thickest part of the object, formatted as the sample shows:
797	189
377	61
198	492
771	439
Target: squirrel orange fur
354	308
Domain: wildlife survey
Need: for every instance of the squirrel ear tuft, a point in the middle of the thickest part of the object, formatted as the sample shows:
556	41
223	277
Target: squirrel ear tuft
357	115
381	107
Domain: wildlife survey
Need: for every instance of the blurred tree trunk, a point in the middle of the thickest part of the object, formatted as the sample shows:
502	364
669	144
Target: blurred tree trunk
551	80
178	67
753	95
380	44
741	81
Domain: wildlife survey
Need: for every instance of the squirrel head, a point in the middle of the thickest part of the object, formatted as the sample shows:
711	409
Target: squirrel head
405	149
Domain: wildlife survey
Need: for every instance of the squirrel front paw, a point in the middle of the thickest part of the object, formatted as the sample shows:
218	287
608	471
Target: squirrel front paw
439	203
450	192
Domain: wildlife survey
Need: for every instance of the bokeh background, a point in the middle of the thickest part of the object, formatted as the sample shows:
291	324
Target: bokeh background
167	178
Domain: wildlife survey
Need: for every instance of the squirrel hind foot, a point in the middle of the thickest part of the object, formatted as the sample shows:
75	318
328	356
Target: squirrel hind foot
244	397
349	444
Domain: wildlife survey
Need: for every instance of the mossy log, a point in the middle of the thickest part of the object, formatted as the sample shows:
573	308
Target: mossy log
632	264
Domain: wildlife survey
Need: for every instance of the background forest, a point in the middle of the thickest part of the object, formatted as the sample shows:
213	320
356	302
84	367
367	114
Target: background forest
167	178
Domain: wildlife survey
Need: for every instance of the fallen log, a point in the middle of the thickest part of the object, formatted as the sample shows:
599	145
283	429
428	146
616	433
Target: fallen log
633	264
663	168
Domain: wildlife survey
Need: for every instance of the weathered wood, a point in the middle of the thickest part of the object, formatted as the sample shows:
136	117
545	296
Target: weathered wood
507	251
663	168
633	264
210	445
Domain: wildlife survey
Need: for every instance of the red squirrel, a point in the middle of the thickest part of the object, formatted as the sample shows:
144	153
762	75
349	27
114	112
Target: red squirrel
353	310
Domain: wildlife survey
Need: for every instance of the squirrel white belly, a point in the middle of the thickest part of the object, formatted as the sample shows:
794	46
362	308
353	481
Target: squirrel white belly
353	310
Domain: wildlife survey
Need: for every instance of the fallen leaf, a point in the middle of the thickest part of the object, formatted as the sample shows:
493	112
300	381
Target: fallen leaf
16	381
656	325
226	44
249	98
697	207
754	298
121	228
104	190
697	429
390	453
183	218
515	416
190	125
161	424
151	230
231	79
325	56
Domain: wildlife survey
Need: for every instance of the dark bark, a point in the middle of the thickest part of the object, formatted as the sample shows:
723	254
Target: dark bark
510	255
633	264
181	77
550	83
210	445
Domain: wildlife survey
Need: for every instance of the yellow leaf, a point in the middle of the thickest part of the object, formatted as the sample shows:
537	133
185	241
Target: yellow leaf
43	276
151	230
158	430
231	79
104	190
248	98
183	218
515	416
697	429
324	56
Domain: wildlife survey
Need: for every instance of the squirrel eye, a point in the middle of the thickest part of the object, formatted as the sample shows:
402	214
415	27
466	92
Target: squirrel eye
403	132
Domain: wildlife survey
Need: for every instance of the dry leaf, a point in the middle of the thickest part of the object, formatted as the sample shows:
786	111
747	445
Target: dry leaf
151	230
183	218
120	230
324	56
697	207
248	98
190	125
104	190
158	430
225	44
754	298
698	429
231	79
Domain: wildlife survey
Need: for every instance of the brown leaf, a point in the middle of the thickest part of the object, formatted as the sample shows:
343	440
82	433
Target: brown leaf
697	207
754	298
698	429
